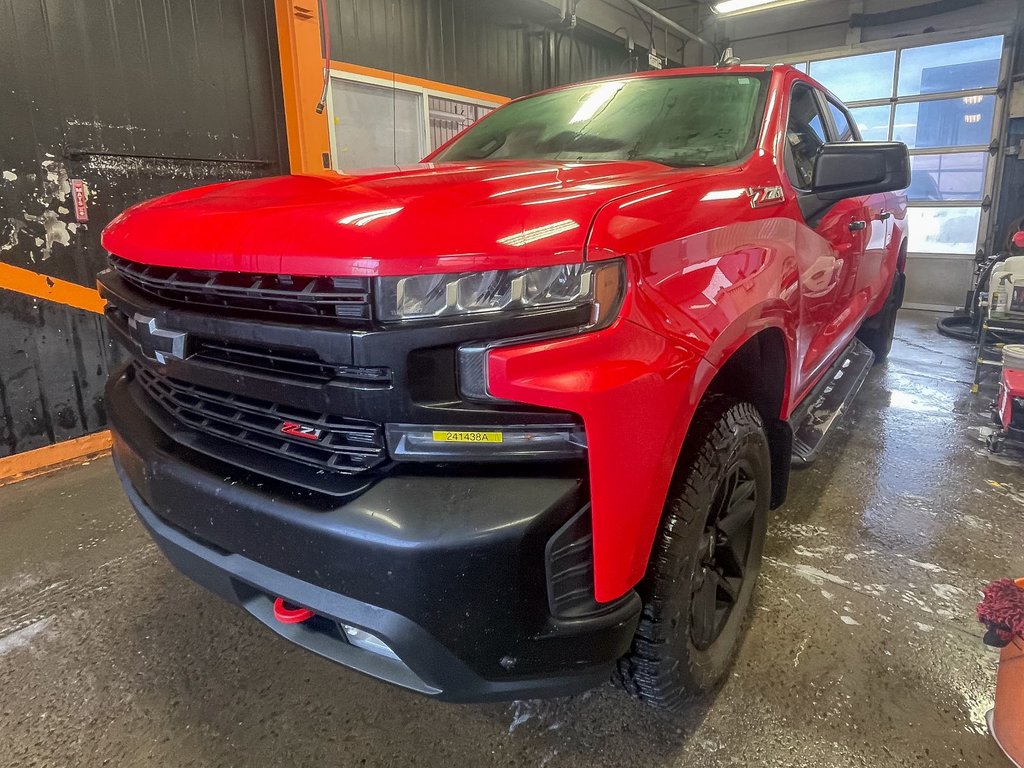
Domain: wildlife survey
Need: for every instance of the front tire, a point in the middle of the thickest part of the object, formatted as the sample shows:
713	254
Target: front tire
705	561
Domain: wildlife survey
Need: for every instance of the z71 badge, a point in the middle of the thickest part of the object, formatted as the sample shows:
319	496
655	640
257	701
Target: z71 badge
293	429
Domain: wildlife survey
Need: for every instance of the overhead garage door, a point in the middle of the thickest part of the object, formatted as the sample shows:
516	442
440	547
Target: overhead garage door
941	100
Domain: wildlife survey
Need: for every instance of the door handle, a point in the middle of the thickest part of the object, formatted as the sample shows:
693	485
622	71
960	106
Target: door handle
882	216
857	226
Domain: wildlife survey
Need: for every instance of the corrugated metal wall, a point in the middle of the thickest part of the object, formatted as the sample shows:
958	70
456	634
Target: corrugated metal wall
507	47
137	98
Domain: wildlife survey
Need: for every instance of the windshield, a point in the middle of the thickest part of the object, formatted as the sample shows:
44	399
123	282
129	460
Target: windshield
690	120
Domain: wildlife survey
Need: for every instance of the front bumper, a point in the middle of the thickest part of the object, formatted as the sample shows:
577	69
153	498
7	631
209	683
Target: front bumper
449	571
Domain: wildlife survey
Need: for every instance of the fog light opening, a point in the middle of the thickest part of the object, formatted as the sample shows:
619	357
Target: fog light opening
419	442
367	642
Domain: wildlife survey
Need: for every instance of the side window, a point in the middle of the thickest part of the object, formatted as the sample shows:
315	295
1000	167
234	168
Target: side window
805	133
844	132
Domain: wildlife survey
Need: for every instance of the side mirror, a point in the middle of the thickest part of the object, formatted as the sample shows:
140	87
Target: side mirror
855	168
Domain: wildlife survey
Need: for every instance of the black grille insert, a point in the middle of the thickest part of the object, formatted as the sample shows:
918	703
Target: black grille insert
286	363
570	567
346	446
345	301
290	363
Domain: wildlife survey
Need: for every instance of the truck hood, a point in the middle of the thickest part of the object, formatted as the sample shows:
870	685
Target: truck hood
413	220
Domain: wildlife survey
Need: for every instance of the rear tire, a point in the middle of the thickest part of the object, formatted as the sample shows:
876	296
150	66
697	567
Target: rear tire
705	561
878	331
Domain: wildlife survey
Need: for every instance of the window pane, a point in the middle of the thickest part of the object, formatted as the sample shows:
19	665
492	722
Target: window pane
802	66
957	66
958	122
856	78
843	130
804	135
944	230
375	125
680	121
873	122
448	117
958	176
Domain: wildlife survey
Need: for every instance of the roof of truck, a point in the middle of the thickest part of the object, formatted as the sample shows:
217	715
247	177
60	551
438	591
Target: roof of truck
733	69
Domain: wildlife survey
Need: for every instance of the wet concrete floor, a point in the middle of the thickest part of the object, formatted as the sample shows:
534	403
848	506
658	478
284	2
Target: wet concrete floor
863	650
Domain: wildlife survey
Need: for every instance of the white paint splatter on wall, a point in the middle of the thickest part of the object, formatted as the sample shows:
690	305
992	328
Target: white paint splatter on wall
40	219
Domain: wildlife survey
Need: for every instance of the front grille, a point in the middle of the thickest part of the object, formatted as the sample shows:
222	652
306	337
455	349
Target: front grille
292	364
345	301
346	446
286	363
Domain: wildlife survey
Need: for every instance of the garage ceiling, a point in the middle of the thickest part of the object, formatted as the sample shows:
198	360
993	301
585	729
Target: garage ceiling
795	27
815	25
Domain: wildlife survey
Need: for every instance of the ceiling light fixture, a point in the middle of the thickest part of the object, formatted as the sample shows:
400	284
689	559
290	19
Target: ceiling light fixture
743	6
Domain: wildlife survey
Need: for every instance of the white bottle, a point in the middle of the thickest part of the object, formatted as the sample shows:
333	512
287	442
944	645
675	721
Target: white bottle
1001	294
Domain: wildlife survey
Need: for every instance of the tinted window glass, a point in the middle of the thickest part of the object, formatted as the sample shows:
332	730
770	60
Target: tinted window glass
681	121
872	122
843	130
804	136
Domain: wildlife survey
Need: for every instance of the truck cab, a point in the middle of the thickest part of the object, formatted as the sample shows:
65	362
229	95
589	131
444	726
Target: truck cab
511	420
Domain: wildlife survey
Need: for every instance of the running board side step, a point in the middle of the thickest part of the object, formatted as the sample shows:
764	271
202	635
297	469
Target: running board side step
820	412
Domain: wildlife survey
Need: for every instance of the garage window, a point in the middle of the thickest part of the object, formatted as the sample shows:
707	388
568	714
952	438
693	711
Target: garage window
448	118
377	122
941	101
375	125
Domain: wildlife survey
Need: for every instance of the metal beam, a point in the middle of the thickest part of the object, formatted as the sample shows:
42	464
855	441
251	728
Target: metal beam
618	18
675	27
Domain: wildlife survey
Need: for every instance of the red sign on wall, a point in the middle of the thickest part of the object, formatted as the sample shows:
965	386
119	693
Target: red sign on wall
80	193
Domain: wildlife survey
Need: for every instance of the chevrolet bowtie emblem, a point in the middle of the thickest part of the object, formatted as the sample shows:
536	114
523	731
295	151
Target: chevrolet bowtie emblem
155	342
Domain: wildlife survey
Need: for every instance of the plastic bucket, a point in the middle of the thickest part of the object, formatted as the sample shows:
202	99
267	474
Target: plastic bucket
1007	718
1013	357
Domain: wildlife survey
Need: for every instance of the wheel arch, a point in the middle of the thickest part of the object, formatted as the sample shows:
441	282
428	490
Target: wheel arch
758	371
901	256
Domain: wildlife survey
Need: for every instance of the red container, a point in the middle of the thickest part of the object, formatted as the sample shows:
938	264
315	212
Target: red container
1006	721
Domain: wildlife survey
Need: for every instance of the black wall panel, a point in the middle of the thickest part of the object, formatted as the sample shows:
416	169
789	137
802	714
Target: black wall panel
137	98
507	47
55	363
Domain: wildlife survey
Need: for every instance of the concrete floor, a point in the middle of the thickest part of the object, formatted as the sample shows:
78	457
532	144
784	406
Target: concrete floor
863	649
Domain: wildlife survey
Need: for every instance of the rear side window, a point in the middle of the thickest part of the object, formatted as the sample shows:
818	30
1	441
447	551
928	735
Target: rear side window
805	133
844	131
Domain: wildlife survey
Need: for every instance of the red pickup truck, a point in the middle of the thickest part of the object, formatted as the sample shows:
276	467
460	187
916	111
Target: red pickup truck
511	420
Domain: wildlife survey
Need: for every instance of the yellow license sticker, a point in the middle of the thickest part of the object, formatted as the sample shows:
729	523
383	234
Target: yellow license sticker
452	436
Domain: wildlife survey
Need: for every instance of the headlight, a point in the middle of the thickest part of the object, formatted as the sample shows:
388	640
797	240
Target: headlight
512	291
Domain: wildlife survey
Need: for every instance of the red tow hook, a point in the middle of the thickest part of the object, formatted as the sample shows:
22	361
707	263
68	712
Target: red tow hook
287	613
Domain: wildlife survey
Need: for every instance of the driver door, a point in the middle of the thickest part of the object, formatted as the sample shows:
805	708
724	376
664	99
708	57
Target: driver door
829	248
